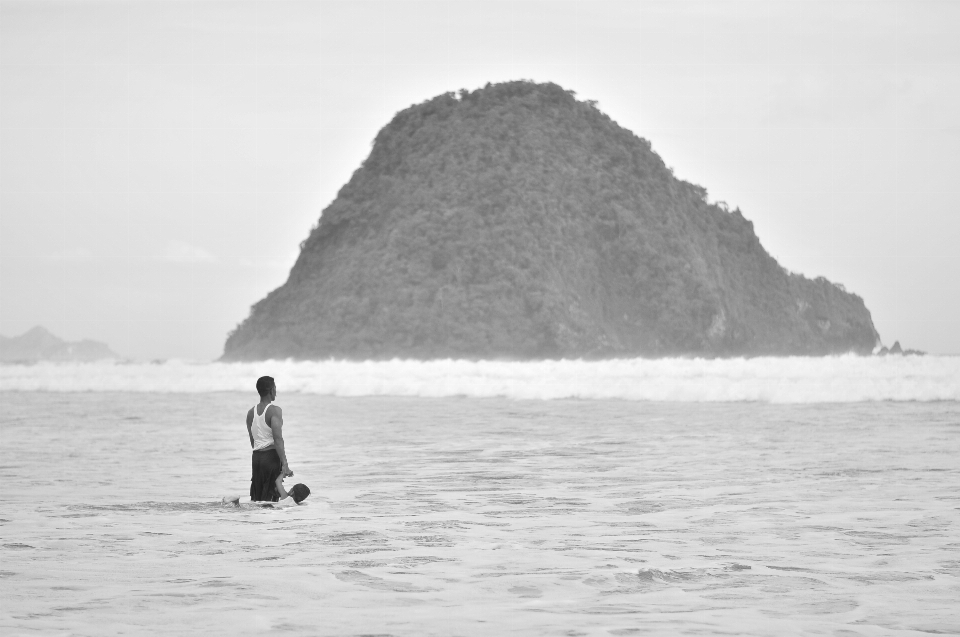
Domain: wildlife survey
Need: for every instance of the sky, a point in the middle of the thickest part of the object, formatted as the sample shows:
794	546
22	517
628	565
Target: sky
160	162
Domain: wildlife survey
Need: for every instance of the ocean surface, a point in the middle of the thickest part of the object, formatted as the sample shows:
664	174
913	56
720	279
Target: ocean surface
820	496
777	380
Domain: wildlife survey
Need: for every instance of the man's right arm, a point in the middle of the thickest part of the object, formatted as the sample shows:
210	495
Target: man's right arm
250	426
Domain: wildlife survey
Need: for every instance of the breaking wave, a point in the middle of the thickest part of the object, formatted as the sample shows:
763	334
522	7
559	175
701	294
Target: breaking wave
778	380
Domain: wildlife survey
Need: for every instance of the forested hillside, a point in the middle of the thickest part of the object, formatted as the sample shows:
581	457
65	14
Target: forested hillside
517	222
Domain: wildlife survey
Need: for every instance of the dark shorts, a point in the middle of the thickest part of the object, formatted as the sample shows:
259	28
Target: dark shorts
264	474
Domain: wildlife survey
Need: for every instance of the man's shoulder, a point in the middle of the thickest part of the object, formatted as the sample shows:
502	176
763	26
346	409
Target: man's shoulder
276	409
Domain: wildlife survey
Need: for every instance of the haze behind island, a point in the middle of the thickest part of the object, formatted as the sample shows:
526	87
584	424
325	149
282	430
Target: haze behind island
161	163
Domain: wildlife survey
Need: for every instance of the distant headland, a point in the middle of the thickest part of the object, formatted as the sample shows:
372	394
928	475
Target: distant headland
38	344
515	221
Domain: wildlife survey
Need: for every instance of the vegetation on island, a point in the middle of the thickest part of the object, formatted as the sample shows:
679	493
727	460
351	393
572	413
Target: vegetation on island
515	221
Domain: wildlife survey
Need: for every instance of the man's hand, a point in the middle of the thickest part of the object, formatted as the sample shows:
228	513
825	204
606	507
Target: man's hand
285	472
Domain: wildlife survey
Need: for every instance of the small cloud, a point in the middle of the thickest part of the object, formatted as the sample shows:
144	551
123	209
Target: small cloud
183	252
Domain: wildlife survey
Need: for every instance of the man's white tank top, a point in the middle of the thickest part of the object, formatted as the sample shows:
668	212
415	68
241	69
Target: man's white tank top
262	433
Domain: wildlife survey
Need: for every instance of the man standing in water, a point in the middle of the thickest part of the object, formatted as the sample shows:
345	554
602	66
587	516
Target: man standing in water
265	427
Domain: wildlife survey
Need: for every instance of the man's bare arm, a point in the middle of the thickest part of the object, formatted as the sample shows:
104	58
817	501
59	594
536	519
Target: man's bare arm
276	424
283	492
250	426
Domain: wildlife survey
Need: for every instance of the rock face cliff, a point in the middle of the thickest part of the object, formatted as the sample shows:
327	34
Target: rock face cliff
517	222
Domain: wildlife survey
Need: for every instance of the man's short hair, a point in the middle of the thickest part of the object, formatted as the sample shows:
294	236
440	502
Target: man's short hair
299	492
265	385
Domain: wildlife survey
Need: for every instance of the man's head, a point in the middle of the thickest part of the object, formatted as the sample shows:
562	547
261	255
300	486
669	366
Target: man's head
299	492
266	387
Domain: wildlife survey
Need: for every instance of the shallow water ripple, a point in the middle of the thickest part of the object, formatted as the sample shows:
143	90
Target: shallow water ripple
481	517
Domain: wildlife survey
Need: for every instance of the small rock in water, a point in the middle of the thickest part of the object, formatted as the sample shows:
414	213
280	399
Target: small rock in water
896	349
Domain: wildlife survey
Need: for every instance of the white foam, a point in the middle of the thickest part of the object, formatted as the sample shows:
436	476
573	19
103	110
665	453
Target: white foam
778	380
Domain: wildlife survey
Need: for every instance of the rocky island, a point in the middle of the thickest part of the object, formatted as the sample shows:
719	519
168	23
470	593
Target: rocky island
38	344
515	221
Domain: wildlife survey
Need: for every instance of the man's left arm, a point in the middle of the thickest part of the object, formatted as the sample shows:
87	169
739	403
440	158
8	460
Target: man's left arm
250	426
283	492
276	424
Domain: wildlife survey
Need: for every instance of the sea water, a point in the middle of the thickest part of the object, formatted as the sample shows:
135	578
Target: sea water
450	514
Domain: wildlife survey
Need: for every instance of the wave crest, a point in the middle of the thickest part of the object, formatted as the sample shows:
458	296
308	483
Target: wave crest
778	380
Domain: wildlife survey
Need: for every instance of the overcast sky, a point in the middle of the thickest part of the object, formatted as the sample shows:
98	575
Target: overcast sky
160	162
